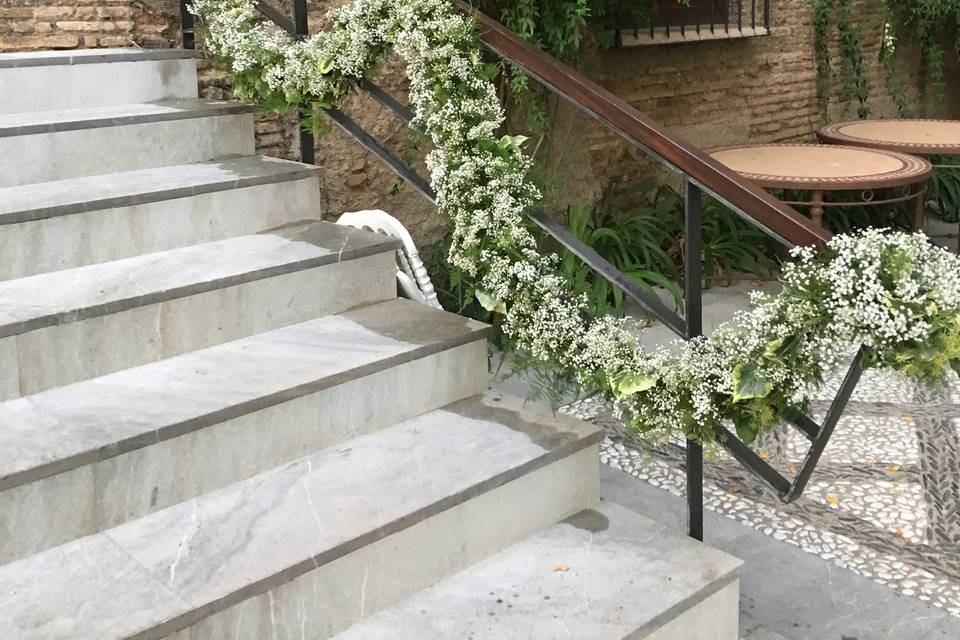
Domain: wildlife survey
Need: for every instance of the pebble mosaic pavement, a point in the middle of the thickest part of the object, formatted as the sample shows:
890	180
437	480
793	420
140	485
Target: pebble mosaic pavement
884	501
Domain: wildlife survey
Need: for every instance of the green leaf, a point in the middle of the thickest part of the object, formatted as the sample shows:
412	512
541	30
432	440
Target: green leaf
746	428
490	303
773	348
491	70
512	141
325	65
635	383
955	365
748	383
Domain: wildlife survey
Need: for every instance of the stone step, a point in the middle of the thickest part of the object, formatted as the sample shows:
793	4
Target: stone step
318	544
72	143
48	80
89	456
606	573
58	225
71	325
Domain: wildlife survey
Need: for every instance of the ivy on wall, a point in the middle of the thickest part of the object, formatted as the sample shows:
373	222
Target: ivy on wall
853	70
930	25
563	28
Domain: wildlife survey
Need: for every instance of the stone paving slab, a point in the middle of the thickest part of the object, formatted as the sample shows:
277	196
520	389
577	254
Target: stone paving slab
884	517
64	197
605	574
94	290
18	59
34	122
96	419
253	536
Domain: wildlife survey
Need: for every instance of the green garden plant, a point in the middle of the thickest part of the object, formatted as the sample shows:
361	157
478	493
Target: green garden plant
639	229
943	190
933	26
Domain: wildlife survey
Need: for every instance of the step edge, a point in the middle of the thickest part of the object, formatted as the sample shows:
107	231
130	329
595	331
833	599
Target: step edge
296	172
343	549
613	511
209	109
165	295
75	57
140	441
686	604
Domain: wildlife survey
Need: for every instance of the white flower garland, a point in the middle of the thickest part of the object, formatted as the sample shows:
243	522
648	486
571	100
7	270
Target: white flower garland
893	292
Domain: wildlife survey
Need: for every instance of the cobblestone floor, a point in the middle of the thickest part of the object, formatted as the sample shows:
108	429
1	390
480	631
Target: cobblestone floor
884	501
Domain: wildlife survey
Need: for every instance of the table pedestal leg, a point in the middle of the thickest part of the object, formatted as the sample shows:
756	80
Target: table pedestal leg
919	205
816	207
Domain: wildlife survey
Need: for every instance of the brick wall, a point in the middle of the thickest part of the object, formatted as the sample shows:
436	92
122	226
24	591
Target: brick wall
69	24
711	93
716	93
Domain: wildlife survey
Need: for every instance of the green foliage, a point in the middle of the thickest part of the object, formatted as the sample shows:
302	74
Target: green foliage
561	28
853	74
634	383
635	243
927	24
943	190
888	60
639	229
893	292
822	13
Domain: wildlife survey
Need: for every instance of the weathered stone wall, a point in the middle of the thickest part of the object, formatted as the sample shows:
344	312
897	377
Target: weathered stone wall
69	24
710	93
717	93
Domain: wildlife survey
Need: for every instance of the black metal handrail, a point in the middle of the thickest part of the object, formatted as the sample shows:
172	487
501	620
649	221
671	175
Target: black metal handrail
700	174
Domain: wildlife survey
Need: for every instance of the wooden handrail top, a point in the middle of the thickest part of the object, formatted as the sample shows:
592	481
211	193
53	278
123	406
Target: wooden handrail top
750	200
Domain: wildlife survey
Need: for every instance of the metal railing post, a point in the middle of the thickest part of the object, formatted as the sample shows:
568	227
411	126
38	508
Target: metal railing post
187	27
302	30
693	307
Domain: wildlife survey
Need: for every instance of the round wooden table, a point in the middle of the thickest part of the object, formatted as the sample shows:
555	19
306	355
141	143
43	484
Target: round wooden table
919	137
823	168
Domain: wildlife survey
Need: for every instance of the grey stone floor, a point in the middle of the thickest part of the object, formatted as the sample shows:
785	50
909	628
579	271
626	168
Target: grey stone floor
787	594
850	560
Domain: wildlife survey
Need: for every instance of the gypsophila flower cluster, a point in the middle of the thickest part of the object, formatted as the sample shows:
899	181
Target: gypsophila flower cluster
893	292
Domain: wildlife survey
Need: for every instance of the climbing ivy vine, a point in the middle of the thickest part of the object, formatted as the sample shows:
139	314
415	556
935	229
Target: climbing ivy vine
853	69
562	28
930	25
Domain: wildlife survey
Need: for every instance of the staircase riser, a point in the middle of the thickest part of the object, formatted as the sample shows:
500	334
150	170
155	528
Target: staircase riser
60	508
49	88
67	241
716	617
330	598
52	356
100	150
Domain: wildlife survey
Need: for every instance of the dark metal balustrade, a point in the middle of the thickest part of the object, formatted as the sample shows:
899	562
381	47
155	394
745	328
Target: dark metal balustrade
698	20
700	174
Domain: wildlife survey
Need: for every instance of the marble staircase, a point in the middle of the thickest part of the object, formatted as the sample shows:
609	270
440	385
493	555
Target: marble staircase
218	421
